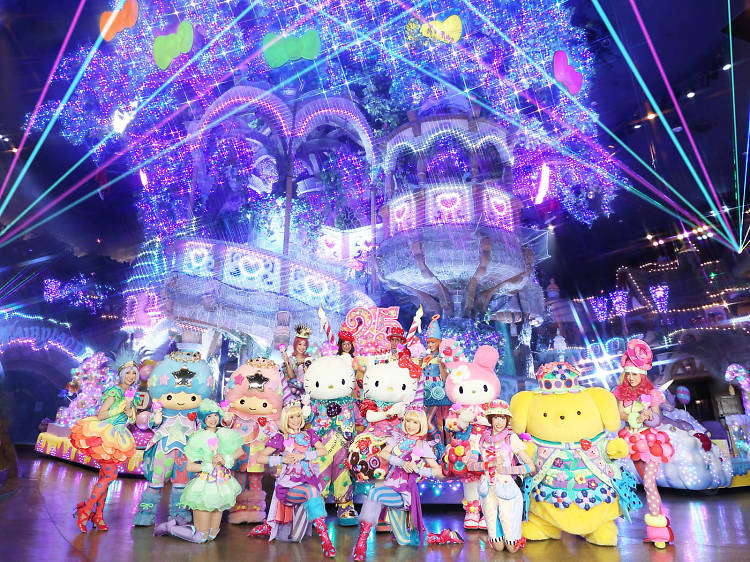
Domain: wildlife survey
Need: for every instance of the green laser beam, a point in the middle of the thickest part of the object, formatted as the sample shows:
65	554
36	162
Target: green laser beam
60	107
662	119
591	115
171	79
191	136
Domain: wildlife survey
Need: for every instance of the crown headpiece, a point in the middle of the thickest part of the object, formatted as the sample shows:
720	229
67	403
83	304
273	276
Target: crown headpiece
302	331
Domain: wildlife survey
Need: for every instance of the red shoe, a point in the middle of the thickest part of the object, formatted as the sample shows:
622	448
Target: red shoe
82	516
97	517
325	541
446	536
360	549
260	531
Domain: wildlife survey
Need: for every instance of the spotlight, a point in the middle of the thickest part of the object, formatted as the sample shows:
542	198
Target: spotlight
691	95
661	242
680	236
550	227
651	116
637	126
726	66
655	243
649	236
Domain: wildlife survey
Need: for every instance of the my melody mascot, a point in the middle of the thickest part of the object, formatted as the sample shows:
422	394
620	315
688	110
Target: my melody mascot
577	487
254	392
388	389
330	408
470	386
177	386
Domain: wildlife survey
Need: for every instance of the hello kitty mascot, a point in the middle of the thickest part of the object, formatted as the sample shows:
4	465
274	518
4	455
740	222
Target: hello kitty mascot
470	386
388	389
254	392
331	410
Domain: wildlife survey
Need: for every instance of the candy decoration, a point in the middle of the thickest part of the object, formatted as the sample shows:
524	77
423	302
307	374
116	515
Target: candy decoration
416	326
325	326
682	393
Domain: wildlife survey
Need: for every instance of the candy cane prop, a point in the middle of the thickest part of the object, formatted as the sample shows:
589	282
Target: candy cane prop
325	326
416	326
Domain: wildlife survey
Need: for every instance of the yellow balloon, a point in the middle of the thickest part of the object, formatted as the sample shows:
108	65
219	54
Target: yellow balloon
459	451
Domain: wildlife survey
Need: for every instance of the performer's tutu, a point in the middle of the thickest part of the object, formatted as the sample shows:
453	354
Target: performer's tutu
102	440
649	445
216	491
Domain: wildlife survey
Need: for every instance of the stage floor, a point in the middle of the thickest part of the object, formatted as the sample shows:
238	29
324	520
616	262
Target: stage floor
36	525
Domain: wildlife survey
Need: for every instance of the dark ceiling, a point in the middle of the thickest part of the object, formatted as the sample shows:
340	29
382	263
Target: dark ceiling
689	36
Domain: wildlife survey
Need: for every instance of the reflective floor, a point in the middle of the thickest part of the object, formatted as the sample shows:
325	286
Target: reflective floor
36	525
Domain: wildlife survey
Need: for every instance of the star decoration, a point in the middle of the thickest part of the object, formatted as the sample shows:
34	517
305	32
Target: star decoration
257	381
183	377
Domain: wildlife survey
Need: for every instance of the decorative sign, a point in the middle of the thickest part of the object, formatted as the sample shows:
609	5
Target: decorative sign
370	325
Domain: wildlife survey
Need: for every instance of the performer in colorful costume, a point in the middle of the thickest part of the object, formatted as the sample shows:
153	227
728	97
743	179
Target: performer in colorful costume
345	346
106	439
254	392
296	365
434	374
333	414
577	487
395	338
638	402
502	456
177	386
470	386
409	458
211	452
297	502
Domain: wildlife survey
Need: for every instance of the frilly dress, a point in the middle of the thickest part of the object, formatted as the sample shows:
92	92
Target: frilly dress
364	459
646	444
108	440
216	490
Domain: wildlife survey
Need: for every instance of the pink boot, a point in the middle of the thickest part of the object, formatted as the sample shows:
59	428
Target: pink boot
658	530
446	536
325	541
360	549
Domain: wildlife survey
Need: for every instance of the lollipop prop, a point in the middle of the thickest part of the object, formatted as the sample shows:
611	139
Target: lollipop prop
416	326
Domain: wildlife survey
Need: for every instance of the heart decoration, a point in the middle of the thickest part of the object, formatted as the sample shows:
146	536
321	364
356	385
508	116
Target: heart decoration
585	444
448	201
192	415
565	73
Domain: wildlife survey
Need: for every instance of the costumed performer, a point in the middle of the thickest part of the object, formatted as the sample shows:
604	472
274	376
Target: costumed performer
211	452
296	365
105	437
297	502
409	458
638	402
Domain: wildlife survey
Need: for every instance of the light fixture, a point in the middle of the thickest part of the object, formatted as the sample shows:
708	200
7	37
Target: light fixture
691	95
655	243
649	236
550	227
726	66
651	116
661	241
637	126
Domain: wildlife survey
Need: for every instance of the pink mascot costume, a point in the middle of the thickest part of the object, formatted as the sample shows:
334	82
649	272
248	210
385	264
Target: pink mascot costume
254	392
470	386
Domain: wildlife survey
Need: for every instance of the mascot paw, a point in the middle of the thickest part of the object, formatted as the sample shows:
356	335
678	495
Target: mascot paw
617	448
536	529
606	535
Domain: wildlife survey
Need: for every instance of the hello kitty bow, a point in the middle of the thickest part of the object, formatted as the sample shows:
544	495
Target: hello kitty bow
405	361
